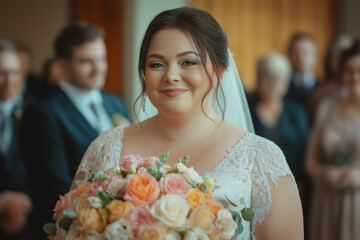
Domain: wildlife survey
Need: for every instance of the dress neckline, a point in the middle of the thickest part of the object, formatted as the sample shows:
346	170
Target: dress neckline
229	151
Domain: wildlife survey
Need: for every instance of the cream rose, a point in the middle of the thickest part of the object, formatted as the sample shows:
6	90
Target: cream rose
119	230
115	187
196	234
191	176
226	223
153	231
173	235
171	209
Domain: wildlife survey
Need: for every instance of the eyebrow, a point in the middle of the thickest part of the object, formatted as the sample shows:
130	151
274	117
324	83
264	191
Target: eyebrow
177	55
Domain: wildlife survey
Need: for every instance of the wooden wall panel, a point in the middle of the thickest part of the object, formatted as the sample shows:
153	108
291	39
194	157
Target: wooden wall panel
106	14
256	27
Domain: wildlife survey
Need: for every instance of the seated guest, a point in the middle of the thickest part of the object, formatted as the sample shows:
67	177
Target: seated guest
58	130
303	55
14	204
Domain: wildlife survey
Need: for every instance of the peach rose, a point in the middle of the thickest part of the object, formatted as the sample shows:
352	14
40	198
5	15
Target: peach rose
118	209
129	160
80	203
91	219
153	231
141	188
149	162
214	206
96	187
195	198
226	223
83	187
140	215
174	184
202	218
171	210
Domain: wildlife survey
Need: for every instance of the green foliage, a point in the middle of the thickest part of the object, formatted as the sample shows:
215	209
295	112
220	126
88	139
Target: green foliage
247	214
104	198
65	223
49	228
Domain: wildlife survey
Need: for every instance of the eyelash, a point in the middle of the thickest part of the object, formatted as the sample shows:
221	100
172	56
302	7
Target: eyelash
185	63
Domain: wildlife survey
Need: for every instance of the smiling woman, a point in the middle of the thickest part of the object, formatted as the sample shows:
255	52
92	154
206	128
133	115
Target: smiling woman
182	60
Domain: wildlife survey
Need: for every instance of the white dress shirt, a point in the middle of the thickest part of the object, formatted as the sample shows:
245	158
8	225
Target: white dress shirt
6	120
83	100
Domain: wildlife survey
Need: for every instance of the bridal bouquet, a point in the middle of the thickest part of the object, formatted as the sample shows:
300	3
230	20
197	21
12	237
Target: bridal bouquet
144	198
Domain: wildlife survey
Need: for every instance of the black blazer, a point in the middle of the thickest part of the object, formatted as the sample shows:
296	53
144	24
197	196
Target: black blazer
54	137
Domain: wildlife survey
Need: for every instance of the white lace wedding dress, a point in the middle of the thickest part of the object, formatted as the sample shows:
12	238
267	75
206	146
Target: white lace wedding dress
247	171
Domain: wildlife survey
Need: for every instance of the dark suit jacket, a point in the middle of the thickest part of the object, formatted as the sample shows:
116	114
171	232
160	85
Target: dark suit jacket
13	174
55	136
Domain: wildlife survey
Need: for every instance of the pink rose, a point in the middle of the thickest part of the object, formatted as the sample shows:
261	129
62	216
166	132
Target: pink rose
149	162
63	203
96	187
141	188
129	160
113	178
139	216
174	184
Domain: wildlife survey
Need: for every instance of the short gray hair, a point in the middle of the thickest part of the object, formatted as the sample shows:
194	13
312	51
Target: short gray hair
274	62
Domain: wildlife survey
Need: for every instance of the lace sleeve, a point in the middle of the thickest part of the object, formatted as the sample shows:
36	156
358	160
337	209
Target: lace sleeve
103	152
269	165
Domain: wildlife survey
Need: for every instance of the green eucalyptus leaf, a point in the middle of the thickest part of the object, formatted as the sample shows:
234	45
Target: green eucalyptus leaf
49	228
65	223
238	219
247	214
239	229
104	198
79	182
233	204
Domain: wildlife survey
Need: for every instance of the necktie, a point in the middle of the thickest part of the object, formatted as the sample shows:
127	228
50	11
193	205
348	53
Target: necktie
2	131
93	108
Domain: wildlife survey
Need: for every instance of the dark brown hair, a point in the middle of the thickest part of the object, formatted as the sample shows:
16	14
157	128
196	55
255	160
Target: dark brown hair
205	31
74	35
348	53
297	37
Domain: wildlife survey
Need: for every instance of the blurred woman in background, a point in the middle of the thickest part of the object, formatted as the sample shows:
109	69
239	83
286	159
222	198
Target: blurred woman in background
333	158
278	119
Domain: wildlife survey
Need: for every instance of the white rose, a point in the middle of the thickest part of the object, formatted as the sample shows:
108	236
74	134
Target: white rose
119	230
179	167
171	209
95	202
115	187
173	235
196	234
226	223
191	176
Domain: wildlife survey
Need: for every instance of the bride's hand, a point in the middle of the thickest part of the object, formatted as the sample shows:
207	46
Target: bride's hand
350	179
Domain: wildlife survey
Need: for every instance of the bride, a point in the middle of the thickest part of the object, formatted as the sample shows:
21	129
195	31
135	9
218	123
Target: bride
182	61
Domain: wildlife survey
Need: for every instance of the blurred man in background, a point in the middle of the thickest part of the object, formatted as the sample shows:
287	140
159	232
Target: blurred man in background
14	203
60	128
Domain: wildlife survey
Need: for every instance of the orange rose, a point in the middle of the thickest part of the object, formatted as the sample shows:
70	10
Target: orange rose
92	219
118	209
82	188
209	195
153	231
195	198
141	188
214	206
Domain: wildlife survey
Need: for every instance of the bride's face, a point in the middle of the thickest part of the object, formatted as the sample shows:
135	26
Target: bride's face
175	80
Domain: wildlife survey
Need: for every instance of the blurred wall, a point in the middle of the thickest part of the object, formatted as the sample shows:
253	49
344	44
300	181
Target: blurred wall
34	22
350	17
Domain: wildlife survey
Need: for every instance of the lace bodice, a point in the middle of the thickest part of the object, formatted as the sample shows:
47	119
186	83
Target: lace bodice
247	171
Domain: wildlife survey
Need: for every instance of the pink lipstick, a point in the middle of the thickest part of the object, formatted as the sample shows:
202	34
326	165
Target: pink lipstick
174	92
